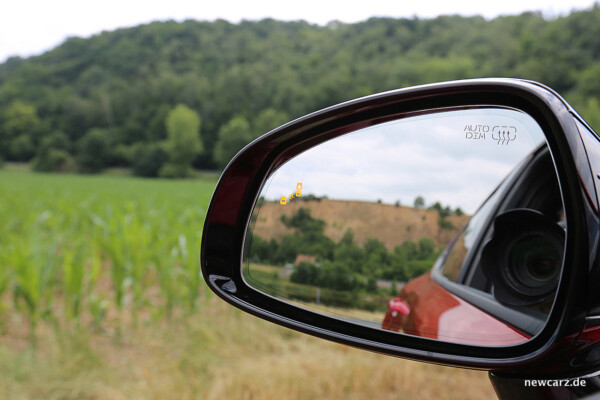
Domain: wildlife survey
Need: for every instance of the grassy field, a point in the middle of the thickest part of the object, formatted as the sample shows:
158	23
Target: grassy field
101	298
363	306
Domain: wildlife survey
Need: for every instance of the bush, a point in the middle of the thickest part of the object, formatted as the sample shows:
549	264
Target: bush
148	160
93	151
170	170
53	160
22	148
306	273
53	154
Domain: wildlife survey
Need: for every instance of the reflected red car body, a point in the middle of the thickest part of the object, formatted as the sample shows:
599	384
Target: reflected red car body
438	314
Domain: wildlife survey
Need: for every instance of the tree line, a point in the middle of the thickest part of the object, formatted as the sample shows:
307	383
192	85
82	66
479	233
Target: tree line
116	91
343	265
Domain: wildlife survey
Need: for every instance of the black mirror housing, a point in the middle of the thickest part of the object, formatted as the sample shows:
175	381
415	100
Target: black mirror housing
570	142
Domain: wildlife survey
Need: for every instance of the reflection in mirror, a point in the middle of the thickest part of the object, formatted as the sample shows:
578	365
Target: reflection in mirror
448	226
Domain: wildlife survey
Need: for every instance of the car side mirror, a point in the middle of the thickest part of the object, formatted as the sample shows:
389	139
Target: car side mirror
432	223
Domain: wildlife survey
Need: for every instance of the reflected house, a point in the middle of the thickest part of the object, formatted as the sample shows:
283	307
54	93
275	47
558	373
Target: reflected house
305	258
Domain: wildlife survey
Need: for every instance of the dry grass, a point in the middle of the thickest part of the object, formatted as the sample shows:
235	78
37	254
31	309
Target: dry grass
390	224
219	353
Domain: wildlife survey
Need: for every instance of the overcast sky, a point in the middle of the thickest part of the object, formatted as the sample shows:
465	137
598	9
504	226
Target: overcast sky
455	158
30	27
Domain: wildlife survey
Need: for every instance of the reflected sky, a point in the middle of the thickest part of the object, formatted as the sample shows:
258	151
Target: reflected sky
454	157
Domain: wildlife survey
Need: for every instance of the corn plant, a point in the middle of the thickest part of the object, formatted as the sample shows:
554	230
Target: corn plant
33	279
98	246
73	281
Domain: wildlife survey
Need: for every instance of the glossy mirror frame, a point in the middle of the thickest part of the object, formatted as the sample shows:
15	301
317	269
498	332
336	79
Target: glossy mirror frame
236	193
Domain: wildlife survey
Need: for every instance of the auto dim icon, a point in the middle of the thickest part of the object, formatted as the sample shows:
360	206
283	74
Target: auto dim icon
501	134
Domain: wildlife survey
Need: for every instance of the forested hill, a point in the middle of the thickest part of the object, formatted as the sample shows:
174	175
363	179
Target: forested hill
114	92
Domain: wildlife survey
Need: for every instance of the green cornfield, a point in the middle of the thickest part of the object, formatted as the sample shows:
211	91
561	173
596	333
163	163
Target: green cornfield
81	251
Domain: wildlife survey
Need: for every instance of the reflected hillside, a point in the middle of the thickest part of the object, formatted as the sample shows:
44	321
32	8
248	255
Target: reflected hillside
349	255
390	224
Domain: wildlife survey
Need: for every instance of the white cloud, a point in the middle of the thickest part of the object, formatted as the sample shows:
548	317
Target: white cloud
423	156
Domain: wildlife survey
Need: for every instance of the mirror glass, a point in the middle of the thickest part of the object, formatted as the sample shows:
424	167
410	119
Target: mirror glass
447	225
